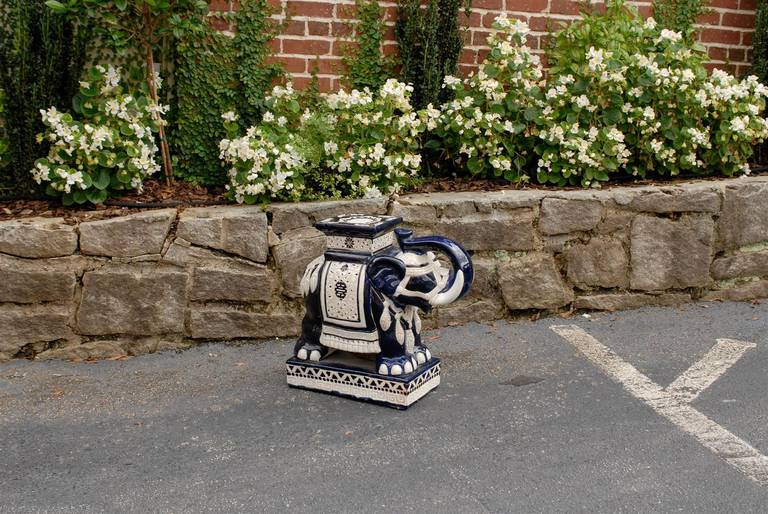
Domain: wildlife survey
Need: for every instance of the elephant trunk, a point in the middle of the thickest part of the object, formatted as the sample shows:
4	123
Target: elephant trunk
461	274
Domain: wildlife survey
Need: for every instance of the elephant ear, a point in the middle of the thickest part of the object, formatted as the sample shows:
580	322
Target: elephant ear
385	274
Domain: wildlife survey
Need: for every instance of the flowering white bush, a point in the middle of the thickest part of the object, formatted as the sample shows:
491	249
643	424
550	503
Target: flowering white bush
353	144
640	102
486	128
112	148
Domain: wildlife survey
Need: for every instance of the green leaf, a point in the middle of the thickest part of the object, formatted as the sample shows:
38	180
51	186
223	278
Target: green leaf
531	113
121	4
56	6
79	196
101	179
96	197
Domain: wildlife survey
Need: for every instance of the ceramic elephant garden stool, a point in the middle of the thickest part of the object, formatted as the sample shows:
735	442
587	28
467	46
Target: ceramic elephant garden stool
361	334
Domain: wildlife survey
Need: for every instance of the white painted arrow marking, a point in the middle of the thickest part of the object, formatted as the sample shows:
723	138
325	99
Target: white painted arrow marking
701	375
666	402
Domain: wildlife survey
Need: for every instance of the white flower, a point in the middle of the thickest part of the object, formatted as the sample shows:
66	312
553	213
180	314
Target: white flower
268	117
650	23
670	35
582	101
330	147
282	121
229	116
596	58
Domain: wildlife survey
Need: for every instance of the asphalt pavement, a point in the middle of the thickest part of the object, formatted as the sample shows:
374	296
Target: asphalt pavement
525	420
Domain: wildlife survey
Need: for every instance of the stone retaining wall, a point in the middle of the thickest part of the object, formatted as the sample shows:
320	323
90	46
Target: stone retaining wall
169	278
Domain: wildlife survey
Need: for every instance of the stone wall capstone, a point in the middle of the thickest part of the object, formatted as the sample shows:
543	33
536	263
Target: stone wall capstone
170	278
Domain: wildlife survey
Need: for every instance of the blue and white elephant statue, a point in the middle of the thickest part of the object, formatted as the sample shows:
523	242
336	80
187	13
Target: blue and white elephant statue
364	294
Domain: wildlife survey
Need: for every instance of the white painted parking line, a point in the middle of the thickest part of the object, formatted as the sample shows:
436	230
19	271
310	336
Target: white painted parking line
732	449
701	375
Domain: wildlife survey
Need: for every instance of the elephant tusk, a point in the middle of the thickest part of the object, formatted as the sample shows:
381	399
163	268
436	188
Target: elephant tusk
451	294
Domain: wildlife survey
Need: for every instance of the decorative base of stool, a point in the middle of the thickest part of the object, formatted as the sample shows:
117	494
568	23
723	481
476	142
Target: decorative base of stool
345	374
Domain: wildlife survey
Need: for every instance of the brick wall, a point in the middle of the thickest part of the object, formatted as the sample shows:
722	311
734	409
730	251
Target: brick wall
317	29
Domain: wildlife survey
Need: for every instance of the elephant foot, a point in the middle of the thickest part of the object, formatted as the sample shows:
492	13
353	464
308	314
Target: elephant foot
400	365
422	354
312	352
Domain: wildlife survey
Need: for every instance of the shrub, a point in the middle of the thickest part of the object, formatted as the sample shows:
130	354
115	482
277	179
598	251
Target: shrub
485	129
679	15
111	149
429	40
354	144
626	96
41	59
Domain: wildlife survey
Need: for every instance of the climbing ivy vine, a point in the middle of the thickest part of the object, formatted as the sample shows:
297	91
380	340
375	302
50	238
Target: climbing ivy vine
366	64
679	15
216	74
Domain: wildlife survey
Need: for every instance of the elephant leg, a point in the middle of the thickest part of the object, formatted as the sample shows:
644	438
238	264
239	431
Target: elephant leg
420	351
394	358
308	346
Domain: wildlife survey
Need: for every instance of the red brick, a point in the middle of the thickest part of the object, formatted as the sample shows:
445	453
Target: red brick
390	14
731	19
346	12
318	28
292	64
743	70
468	56
494	5
726	67
532	41
527	5
473	20
342	48
727	4
717	54
295	28
389	33
306	46
564	7
480	37
466	69
331	66
218	5
747	5
645	10
219	24
710	18
746	39
324	83
737	54
482	54
730	37
340	29
312	9
276	45
389	49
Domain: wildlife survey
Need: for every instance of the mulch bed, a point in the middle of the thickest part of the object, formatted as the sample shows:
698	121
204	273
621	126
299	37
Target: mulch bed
157	194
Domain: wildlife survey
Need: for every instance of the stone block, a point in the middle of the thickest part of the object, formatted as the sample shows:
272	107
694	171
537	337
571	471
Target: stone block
234	283
561	216
501	230
415	215
290	216
741	265
740	292
94	350
533	281
744	218
45	280
240	230
668	253
127	236
25	324
223	323
686	198
483	302
135	300
602	262
38	238
296	249
624	301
